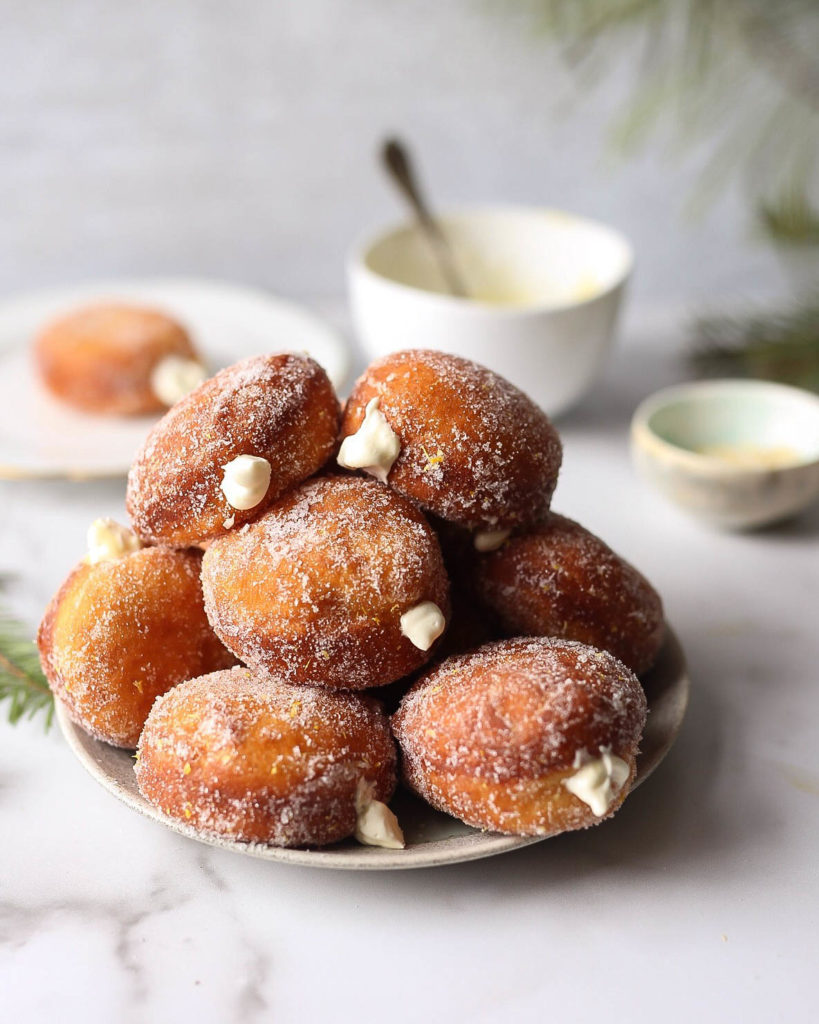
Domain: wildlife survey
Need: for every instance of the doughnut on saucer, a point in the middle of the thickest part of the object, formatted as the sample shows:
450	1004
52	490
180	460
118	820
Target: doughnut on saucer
103	358
246	756
561	580
120	632
274	417
466	444
531	736
340	584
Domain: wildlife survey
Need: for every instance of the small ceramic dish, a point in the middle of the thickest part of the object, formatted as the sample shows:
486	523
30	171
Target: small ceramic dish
544	286
735	453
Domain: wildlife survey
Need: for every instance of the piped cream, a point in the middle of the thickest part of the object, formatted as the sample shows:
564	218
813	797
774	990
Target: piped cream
423	624
376	825
245	481
598	780
374	447
108	540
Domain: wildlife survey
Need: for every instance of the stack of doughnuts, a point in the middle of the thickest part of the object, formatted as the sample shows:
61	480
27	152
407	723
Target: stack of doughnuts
295	571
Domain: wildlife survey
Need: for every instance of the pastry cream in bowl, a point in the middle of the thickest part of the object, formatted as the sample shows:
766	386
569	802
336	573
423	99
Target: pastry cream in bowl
543	293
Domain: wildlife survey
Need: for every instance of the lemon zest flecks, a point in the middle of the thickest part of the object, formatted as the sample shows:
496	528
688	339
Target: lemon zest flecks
432	460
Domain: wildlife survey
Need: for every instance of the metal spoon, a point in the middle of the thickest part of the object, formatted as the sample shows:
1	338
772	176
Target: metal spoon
397	162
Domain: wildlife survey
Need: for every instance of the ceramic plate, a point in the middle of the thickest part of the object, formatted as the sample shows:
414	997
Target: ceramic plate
432	838
41	437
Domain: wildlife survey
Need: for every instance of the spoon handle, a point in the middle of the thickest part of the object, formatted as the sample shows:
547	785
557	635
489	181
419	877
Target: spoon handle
397	161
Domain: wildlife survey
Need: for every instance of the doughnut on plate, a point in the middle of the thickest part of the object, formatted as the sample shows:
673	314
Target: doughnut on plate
433	839
42	437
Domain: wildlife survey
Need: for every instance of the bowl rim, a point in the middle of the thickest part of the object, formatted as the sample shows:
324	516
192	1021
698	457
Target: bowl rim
644	437
367	240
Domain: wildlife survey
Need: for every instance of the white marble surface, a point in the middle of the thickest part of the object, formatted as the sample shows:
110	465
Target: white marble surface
698	901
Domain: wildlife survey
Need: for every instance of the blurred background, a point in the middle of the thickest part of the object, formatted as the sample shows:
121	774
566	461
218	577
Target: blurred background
238	140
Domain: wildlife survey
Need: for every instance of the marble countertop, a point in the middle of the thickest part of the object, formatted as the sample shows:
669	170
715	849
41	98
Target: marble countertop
699	900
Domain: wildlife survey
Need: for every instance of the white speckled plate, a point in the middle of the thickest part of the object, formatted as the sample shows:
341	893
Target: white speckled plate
42	437
432	839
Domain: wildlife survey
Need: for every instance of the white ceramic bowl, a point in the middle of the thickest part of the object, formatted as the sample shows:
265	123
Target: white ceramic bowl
673	428
545	290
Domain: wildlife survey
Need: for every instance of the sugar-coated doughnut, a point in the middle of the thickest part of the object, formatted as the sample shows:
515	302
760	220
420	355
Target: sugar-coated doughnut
531	736
248	757
561	580
340	584
104	358
468	446
122	631
227	451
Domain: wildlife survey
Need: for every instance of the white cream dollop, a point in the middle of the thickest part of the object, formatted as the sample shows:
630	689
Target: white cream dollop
599	780
245	481
374	447
423	624
490	540
375	824
108	540
174	376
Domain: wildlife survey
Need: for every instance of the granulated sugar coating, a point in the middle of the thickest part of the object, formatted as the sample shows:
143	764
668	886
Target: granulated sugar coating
561	580
474	449
281	408
119	633
314	591
247	756
101	358
490	736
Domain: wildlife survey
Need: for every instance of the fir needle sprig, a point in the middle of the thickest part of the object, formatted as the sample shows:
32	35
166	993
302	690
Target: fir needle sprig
22	682
772	346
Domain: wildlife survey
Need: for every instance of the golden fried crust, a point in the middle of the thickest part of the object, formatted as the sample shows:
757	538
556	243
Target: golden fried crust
474	449
117	634
281	408
249	757
561	580
314	591
490	736
100	359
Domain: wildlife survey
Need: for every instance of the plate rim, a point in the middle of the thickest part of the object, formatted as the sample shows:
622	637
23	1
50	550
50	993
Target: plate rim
439	853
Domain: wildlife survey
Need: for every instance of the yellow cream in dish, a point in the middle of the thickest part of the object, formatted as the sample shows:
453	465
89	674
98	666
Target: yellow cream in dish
753	456
498	289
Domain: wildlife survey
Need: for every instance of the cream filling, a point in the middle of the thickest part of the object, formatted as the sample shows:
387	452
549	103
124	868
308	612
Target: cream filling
174	377
375	824
489	540
245	481
423	624
374	447
598	780
108	540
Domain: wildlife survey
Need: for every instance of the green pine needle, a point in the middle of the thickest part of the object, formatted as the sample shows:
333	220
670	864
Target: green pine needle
791	219
782	346
22	682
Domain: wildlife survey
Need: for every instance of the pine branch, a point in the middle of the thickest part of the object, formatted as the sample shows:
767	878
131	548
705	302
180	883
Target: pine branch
22	682
734	81
782	347
790	219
